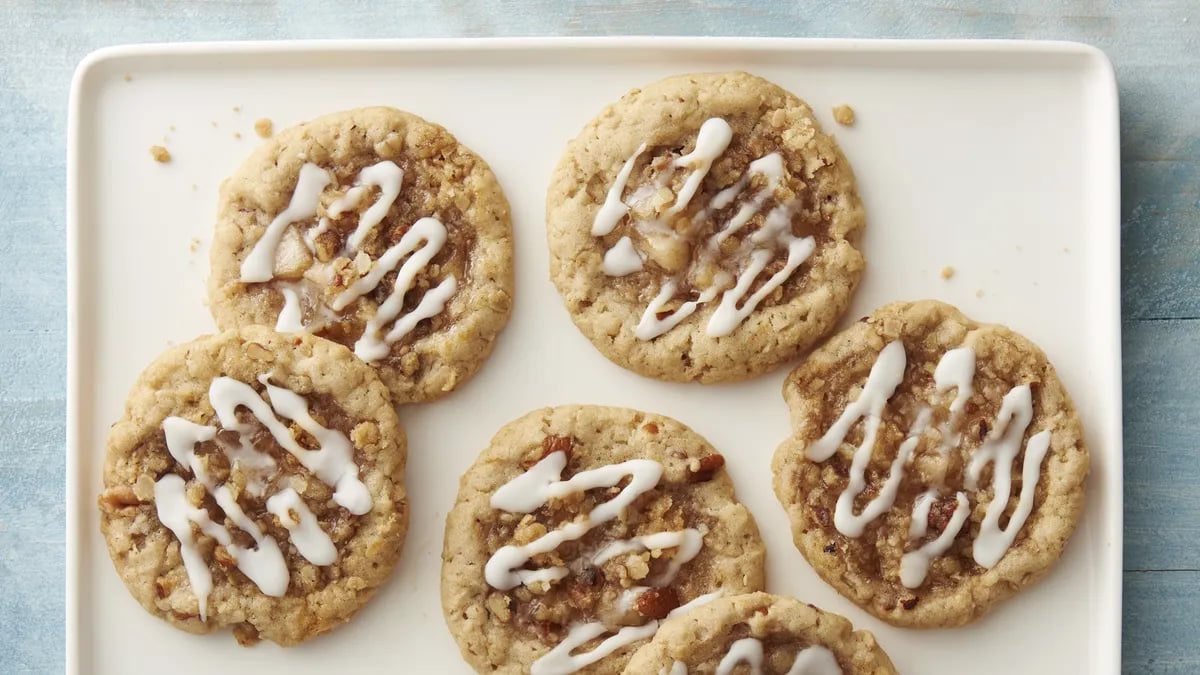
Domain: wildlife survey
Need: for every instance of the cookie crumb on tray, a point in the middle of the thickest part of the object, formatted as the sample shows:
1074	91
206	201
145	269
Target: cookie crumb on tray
947	272
264	127
160	154
843	115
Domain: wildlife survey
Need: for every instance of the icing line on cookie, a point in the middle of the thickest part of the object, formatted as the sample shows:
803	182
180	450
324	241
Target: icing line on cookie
259	264
306	534
812	660
614	209
416	248
623	258
419	245
955	370
844	518
560	660
914	565
1000	449
388	178
333	460
532	489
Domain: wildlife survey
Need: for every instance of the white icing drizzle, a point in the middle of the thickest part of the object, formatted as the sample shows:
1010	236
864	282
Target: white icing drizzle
259	264
264	564
914	565
333	460
532	489
308	537
651	326
770	166
955	370
622	259
1000	449
416	248
290	317
844	518
614	209
728	315
560	660
688	542
677	668
388	178
712	139
886	374
419	245
812	660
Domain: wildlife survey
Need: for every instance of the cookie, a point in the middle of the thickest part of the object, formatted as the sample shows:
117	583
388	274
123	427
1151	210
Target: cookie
704	229
768	634
936	465
579	529
375	229
256	481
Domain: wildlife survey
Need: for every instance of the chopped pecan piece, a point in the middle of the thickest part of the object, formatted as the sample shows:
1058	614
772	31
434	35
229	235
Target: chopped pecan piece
822	515
830	547
909	603
553	444
705	468
657	603
650	428
983	429
940	513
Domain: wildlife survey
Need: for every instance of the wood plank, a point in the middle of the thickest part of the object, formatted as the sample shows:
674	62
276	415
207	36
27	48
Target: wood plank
1161	624
1162	425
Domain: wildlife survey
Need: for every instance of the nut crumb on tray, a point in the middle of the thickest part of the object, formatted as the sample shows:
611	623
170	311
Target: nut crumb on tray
160	154
947	272
843	115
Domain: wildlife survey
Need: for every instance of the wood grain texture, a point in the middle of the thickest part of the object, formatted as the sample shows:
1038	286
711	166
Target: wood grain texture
1155	46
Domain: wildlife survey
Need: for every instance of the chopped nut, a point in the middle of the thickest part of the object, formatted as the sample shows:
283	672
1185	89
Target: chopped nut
118	497
983	429
553	444
264	127
909	603
259	352
830	548
650	428
144	488
362	263
390	146
703	469
160	154
843	115
292	257
657	603
223	558
940	513
364	434
497	604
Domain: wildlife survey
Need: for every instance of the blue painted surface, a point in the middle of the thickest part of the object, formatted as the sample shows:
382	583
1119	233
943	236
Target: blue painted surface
1155	46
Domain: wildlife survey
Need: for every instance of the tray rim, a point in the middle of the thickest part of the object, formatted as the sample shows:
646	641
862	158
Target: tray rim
1105	174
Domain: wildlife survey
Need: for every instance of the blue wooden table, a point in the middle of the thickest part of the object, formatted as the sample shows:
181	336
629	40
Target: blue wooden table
1155	46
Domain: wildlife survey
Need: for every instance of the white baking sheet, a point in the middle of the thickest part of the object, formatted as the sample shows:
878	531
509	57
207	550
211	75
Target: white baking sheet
996	158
